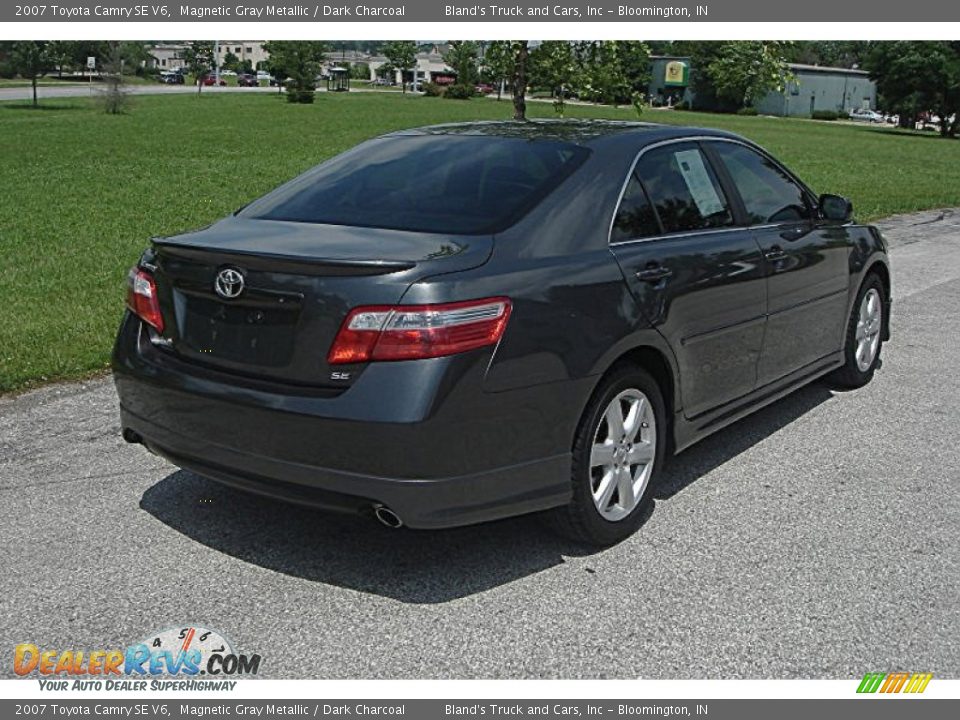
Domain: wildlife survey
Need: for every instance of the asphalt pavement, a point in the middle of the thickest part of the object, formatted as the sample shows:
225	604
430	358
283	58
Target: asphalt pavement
819	538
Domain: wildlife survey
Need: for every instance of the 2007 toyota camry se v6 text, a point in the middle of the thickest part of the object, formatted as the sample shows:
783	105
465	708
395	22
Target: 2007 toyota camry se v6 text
459	323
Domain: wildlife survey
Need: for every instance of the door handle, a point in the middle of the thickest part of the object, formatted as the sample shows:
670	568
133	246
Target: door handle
775	253
654	274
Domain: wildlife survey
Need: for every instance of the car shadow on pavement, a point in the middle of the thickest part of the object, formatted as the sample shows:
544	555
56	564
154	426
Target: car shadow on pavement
415	566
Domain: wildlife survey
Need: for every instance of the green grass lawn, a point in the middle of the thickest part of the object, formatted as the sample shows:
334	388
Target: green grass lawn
81	192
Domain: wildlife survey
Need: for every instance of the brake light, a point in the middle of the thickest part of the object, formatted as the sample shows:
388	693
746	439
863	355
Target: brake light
409	332
142	298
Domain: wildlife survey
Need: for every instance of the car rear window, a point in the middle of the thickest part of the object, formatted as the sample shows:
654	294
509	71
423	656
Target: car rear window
441	183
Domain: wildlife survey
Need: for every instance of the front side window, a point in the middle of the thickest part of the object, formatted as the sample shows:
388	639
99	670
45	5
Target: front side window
683	189
768	193
634	218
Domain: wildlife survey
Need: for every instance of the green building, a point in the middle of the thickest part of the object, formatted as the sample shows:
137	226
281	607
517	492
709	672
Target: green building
813	87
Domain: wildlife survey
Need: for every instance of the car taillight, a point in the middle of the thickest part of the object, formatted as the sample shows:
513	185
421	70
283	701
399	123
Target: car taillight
142	298
409	332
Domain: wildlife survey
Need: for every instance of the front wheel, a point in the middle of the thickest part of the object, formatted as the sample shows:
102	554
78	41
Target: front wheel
617	453
864	339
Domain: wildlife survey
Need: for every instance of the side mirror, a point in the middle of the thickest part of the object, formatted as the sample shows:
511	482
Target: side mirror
836	208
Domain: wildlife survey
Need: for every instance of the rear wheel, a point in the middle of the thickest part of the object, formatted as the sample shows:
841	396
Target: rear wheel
864	336
617	453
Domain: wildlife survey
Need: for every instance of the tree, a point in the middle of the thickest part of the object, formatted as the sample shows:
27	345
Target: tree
135	57
62	53
462	59
198	57
613	72
553	67
231	61
401	55
919	77
113	97
829	53
31	60
359	71
300	61
498	64
702	54
745	71
521	52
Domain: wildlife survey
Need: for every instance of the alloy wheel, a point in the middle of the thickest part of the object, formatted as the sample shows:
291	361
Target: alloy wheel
623	453
869	322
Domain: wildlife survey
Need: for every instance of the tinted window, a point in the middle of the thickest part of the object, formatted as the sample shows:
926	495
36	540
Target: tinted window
683	188
768	193
442	183
634	218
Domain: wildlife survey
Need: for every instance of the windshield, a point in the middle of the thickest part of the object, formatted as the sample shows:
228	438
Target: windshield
430	183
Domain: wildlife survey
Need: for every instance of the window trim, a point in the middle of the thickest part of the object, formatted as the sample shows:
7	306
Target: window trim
734	201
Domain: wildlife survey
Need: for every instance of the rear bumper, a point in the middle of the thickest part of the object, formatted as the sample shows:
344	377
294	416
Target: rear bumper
420	503
420	437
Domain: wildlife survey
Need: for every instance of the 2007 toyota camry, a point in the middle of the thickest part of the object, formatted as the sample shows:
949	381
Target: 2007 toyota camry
459	323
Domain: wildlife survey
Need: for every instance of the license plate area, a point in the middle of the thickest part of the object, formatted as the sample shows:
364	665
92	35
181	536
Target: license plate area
257	332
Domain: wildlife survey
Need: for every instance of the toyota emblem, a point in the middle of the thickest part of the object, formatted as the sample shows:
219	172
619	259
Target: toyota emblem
229	283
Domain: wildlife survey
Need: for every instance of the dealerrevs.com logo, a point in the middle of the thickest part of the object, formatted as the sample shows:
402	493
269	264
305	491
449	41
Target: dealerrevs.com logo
201	658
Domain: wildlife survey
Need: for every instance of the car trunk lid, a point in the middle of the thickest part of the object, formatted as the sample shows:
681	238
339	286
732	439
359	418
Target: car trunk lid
297	283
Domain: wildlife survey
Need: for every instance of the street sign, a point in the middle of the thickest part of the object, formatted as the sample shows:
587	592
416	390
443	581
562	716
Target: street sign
91	62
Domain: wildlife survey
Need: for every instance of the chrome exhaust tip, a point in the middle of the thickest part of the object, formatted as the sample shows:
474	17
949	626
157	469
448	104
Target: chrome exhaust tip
387	517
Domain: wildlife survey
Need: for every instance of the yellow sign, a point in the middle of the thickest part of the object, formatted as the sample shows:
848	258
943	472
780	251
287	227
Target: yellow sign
676	73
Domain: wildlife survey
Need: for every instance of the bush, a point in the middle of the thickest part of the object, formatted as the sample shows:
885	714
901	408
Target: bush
432	89
295	95
825	115
682	105
460	92
843	115
747	111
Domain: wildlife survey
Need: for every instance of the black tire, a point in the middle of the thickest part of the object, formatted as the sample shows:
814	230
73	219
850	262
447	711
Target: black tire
581	520
851	376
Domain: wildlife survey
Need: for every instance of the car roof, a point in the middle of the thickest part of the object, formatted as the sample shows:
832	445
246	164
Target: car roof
579	132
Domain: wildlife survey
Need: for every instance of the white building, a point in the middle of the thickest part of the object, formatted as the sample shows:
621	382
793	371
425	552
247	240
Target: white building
167	56
243	50
430	67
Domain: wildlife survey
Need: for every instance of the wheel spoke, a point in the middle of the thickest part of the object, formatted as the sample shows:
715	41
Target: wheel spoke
614	420
631	425
861	331
642	453
604	491
602	454
625	489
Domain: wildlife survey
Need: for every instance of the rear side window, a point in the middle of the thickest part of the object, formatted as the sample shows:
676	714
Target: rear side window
634	218
768	193
436	183
683	189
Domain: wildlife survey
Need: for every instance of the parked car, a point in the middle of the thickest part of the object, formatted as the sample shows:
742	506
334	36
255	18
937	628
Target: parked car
171	78
264	75
247	80
484	88
866	116
464	322
211	79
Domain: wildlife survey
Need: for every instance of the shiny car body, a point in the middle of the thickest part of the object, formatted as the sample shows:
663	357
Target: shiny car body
583	251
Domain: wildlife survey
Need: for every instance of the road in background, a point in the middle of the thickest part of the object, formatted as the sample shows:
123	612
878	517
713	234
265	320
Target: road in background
818	538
